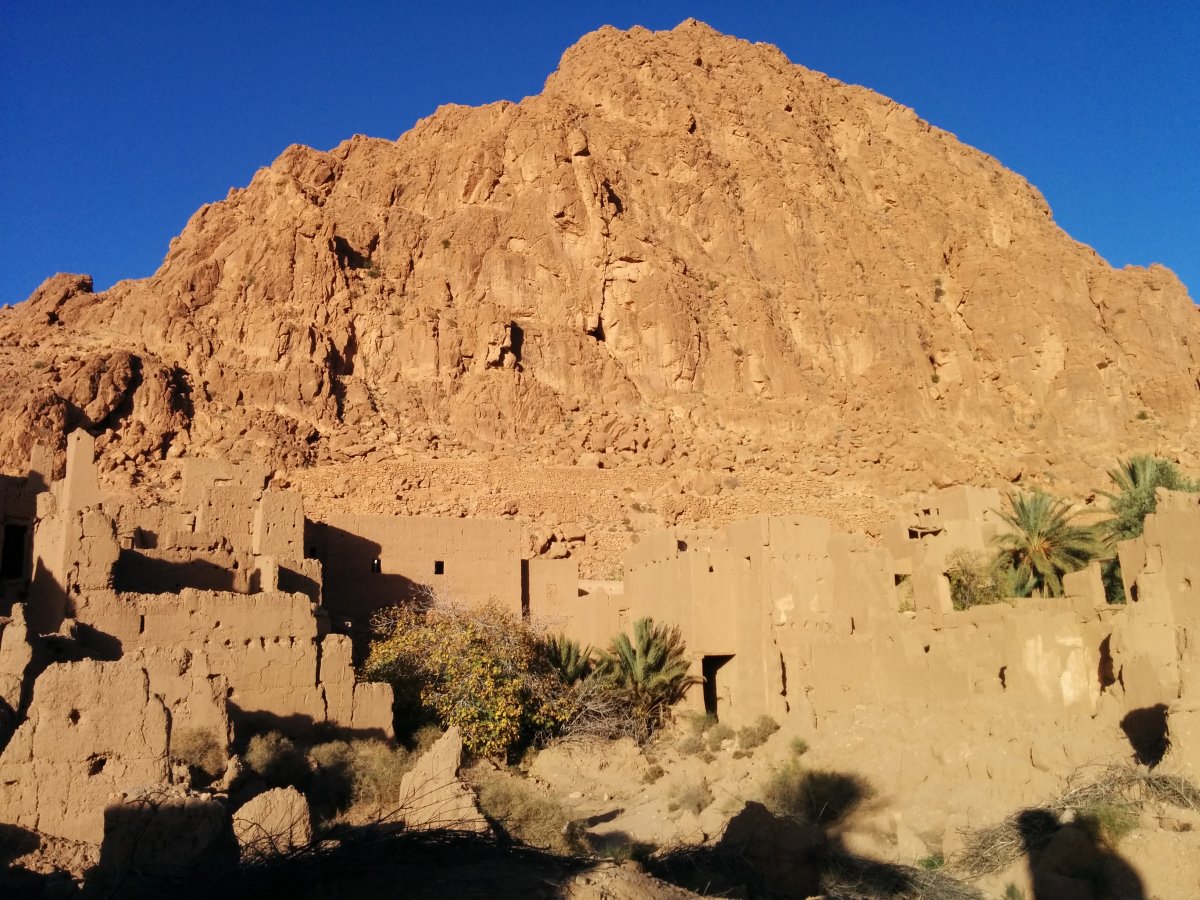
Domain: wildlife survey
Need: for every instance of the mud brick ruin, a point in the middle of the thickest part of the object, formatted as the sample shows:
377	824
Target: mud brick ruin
230	611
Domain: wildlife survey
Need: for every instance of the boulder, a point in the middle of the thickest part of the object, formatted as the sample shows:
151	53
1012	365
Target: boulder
432	797
274	822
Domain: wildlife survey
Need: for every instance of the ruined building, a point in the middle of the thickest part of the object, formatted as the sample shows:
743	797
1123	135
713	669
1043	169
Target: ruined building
230	612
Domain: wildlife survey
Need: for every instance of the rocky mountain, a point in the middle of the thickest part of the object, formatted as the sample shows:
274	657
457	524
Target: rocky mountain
685	250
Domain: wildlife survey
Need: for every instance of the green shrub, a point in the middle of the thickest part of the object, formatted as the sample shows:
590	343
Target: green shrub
756	735
1045	542
812	796
1012	892
799	746
718	735
525	815
932	863
200	750
276	760
572	662
343	773
695	796
650	669
1136	480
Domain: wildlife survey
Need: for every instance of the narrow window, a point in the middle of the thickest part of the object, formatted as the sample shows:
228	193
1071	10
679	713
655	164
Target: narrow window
12	558
376	566
439	567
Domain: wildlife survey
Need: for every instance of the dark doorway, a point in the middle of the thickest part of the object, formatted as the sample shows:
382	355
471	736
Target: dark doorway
709	667
12	557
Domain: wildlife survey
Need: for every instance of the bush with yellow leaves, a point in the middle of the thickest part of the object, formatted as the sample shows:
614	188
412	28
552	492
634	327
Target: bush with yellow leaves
481	668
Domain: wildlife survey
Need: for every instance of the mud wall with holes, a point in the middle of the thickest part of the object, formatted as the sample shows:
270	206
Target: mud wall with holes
143	627
785	616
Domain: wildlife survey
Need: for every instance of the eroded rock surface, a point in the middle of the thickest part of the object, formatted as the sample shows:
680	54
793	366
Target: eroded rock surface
685	248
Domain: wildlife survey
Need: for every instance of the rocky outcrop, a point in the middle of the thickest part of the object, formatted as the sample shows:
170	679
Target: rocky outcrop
685	245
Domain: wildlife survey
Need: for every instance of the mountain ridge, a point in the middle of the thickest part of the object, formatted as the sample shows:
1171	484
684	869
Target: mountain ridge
686	249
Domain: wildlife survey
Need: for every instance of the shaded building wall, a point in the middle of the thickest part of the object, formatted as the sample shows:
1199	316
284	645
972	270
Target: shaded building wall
93	730
472	561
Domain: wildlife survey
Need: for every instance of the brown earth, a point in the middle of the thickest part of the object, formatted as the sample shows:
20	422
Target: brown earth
688	281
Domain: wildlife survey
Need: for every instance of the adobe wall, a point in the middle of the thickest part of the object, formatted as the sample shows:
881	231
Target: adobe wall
266	647
552	597
479	561
1156	645
937	524
93	730
803	619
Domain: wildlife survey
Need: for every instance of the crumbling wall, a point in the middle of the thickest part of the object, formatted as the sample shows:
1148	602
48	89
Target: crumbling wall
93	730
265	646
1155	645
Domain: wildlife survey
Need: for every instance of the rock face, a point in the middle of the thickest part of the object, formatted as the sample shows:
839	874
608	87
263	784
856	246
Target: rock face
684	244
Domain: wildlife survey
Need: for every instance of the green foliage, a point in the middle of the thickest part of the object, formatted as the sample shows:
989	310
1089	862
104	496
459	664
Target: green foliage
812	796
572	662
718	735
932	863
799	746
695	796
200	750
1135	480
482	669
756	735
1045	542
276	760
1012	892
651	669
698	723
1114	582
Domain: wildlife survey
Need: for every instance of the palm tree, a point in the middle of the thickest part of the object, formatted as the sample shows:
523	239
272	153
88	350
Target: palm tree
651	669
1136	479
1045	542
572	662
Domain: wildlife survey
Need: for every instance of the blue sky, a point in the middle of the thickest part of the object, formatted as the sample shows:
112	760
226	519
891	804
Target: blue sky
119	119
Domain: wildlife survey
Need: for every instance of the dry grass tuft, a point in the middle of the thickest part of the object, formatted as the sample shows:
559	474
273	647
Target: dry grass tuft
1106	804
200	749
525	815
693	796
